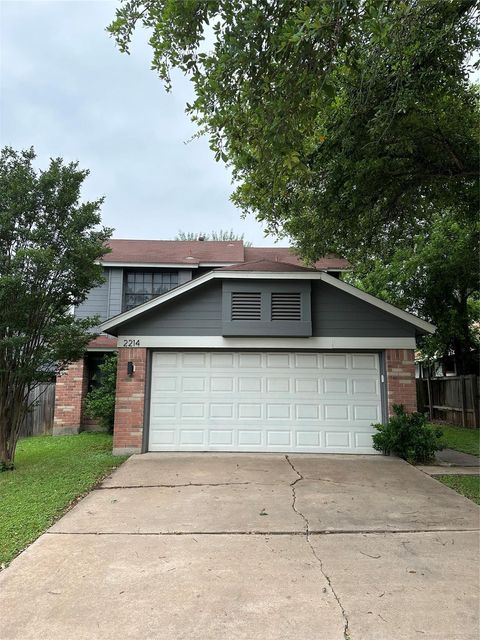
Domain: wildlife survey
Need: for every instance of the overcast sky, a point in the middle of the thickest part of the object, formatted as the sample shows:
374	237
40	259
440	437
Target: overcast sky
66	90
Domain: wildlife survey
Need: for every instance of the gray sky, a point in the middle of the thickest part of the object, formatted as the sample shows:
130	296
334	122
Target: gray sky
66	90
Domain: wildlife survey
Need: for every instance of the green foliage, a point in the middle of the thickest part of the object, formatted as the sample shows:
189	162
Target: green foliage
100	401
221	235
343	120
407	435
50	243
434	272
468	486
50	473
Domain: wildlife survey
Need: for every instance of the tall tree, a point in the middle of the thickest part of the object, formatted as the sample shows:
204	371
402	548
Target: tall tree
342	119
223	235
50	243
434	273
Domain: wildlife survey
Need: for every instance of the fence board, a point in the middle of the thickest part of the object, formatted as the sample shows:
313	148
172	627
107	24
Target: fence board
453	399
40	419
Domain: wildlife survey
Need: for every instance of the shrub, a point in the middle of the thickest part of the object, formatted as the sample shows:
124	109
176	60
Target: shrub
100	401
408	436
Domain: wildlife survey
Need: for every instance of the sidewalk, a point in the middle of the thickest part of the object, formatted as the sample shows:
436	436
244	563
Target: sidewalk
454	463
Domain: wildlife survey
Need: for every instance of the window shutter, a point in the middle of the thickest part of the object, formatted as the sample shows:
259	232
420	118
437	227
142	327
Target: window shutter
286	306
246	306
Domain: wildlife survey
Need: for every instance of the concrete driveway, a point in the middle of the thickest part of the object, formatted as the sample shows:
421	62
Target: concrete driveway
219	546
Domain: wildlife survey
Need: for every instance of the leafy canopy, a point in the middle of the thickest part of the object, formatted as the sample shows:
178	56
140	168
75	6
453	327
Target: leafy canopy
434	274
223	235
50	243
342	119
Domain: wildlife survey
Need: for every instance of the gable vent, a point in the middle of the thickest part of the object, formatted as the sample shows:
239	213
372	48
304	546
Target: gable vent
286	306
246	306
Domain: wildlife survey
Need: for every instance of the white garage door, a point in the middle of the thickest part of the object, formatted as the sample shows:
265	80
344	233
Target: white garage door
245	401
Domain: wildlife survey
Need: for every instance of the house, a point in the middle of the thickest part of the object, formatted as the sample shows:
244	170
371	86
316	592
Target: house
224	347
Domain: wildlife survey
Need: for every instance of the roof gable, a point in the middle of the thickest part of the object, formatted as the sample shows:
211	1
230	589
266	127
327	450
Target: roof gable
420	324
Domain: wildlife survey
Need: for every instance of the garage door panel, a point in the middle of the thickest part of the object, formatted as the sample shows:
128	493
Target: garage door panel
305	402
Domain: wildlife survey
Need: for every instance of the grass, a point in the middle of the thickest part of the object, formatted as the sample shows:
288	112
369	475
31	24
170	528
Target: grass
466	440
49	474
468	486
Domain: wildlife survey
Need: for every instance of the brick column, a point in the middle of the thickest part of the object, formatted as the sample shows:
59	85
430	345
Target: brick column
70	391
401	386
129	404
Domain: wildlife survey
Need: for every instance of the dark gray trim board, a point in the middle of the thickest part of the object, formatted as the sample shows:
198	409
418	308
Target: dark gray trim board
146	401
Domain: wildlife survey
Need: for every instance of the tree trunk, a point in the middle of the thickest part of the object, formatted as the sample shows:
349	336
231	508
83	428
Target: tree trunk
13	408
7	454
461	342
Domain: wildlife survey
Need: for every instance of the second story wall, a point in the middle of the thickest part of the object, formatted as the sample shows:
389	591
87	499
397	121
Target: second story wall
96	303
108	299
115	292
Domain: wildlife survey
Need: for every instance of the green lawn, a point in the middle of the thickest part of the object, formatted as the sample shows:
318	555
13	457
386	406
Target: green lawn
468	486
50	473
466	440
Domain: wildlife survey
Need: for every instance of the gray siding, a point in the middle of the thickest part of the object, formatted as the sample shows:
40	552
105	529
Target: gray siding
115	292
334	313
339	314
96	302
198	313
184	275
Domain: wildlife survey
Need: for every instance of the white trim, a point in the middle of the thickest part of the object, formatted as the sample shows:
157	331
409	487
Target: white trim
166	265
376	302
219	342
217	264
195	263
268	275
265	275
93	349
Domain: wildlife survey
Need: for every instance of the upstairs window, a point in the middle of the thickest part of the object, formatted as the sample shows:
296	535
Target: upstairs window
142	286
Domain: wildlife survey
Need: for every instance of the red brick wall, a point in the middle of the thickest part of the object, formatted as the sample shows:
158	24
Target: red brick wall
129	406
401	386
70	390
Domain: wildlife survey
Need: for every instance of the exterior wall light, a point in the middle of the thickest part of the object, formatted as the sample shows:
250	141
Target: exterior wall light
130	368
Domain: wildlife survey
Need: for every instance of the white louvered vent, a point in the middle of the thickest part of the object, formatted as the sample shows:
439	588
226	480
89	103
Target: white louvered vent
246	306
286	306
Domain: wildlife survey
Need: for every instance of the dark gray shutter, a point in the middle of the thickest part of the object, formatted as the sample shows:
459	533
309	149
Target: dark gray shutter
286	306
246	306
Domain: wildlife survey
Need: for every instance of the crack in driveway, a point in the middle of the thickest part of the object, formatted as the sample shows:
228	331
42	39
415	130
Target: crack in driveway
171	486
346	629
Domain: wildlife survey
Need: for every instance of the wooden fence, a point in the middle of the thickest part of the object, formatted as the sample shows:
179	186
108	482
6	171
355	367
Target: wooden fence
40	419
453	399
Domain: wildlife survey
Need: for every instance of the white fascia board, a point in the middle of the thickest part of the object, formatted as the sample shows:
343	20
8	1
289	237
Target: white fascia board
380	304
263	343
217	264
269	275
150	265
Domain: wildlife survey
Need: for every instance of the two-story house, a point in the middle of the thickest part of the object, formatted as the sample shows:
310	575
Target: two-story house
224	347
